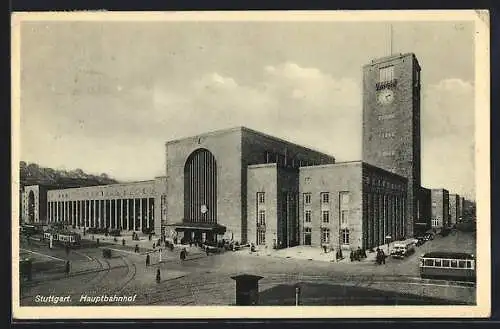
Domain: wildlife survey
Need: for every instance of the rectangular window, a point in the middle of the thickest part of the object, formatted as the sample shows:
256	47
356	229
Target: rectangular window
345	236
453	263
386	74
344	200
325	197
307	230
326	216
461	263
307	198
325	236
429	262
446	263
261	197
261	237
344	215
262	218
307	215
437	262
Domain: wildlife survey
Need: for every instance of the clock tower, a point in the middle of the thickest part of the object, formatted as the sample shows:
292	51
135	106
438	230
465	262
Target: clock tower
391	123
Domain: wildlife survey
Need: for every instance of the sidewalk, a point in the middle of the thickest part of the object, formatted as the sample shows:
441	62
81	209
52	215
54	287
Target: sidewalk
145	245
314	253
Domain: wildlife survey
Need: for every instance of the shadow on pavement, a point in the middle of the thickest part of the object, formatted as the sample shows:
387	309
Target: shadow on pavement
314	294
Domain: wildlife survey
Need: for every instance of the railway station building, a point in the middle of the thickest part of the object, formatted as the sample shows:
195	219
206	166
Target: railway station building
243	185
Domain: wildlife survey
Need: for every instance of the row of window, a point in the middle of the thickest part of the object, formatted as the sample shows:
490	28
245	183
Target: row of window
375	181
324	197
435	222
447	263
136	191
283	160
325	235
325	217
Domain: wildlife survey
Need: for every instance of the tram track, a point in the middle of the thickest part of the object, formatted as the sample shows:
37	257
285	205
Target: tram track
177	293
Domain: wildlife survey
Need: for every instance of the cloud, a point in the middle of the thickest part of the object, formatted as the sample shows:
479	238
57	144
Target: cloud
448	129
301	104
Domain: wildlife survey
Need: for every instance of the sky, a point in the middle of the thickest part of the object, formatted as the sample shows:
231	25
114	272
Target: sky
106	96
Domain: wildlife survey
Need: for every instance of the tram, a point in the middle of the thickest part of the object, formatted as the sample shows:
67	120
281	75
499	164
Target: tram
71	239
448	265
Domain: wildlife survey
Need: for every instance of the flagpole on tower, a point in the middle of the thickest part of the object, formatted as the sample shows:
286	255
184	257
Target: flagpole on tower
390	38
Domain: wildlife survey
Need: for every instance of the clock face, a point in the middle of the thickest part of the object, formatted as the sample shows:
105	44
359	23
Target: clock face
386	96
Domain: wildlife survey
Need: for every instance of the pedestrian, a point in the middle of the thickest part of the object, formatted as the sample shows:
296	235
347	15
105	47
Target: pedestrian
158	276
183	254
123	242
66	267
382	254
324	248
207	251
154	245
136	248
148	260
351	256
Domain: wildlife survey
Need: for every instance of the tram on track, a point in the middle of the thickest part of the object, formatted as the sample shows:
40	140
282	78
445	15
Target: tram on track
70	239
457	266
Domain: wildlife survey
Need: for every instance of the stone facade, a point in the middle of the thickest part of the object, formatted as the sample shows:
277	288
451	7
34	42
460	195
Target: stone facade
391	122
440	208
454	208
424	211
234	150
34	204
129	206
364	205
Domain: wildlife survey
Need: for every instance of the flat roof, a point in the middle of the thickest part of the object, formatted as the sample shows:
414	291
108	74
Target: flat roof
389	58
353	163
243	128
449	254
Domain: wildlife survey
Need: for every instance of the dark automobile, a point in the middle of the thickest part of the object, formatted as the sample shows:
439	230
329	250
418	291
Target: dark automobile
420	241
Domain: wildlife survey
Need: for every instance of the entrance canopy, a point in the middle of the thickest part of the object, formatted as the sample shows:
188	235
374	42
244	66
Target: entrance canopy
209	227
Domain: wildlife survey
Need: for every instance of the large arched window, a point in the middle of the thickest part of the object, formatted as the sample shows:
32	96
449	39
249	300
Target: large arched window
200	187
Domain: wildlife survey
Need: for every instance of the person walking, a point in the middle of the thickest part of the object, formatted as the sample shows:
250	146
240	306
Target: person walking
67	267
148	260
158	276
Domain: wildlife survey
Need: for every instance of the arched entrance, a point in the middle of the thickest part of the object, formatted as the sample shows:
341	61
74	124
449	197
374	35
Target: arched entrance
200	194
31	207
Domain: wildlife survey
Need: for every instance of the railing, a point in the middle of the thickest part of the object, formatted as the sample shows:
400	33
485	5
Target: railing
386	84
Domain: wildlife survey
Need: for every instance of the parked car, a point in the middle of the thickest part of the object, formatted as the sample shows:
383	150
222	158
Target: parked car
429	236
403	249
420	241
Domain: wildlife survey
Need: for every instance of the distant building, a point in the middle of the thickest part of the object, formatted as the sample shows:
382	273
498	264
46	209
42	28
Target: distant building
129	206
454	209
391	122
440	208
423	222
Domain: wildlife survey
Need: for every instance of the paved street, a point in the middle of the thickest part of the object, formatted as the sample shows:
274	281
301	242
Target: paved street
205	280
